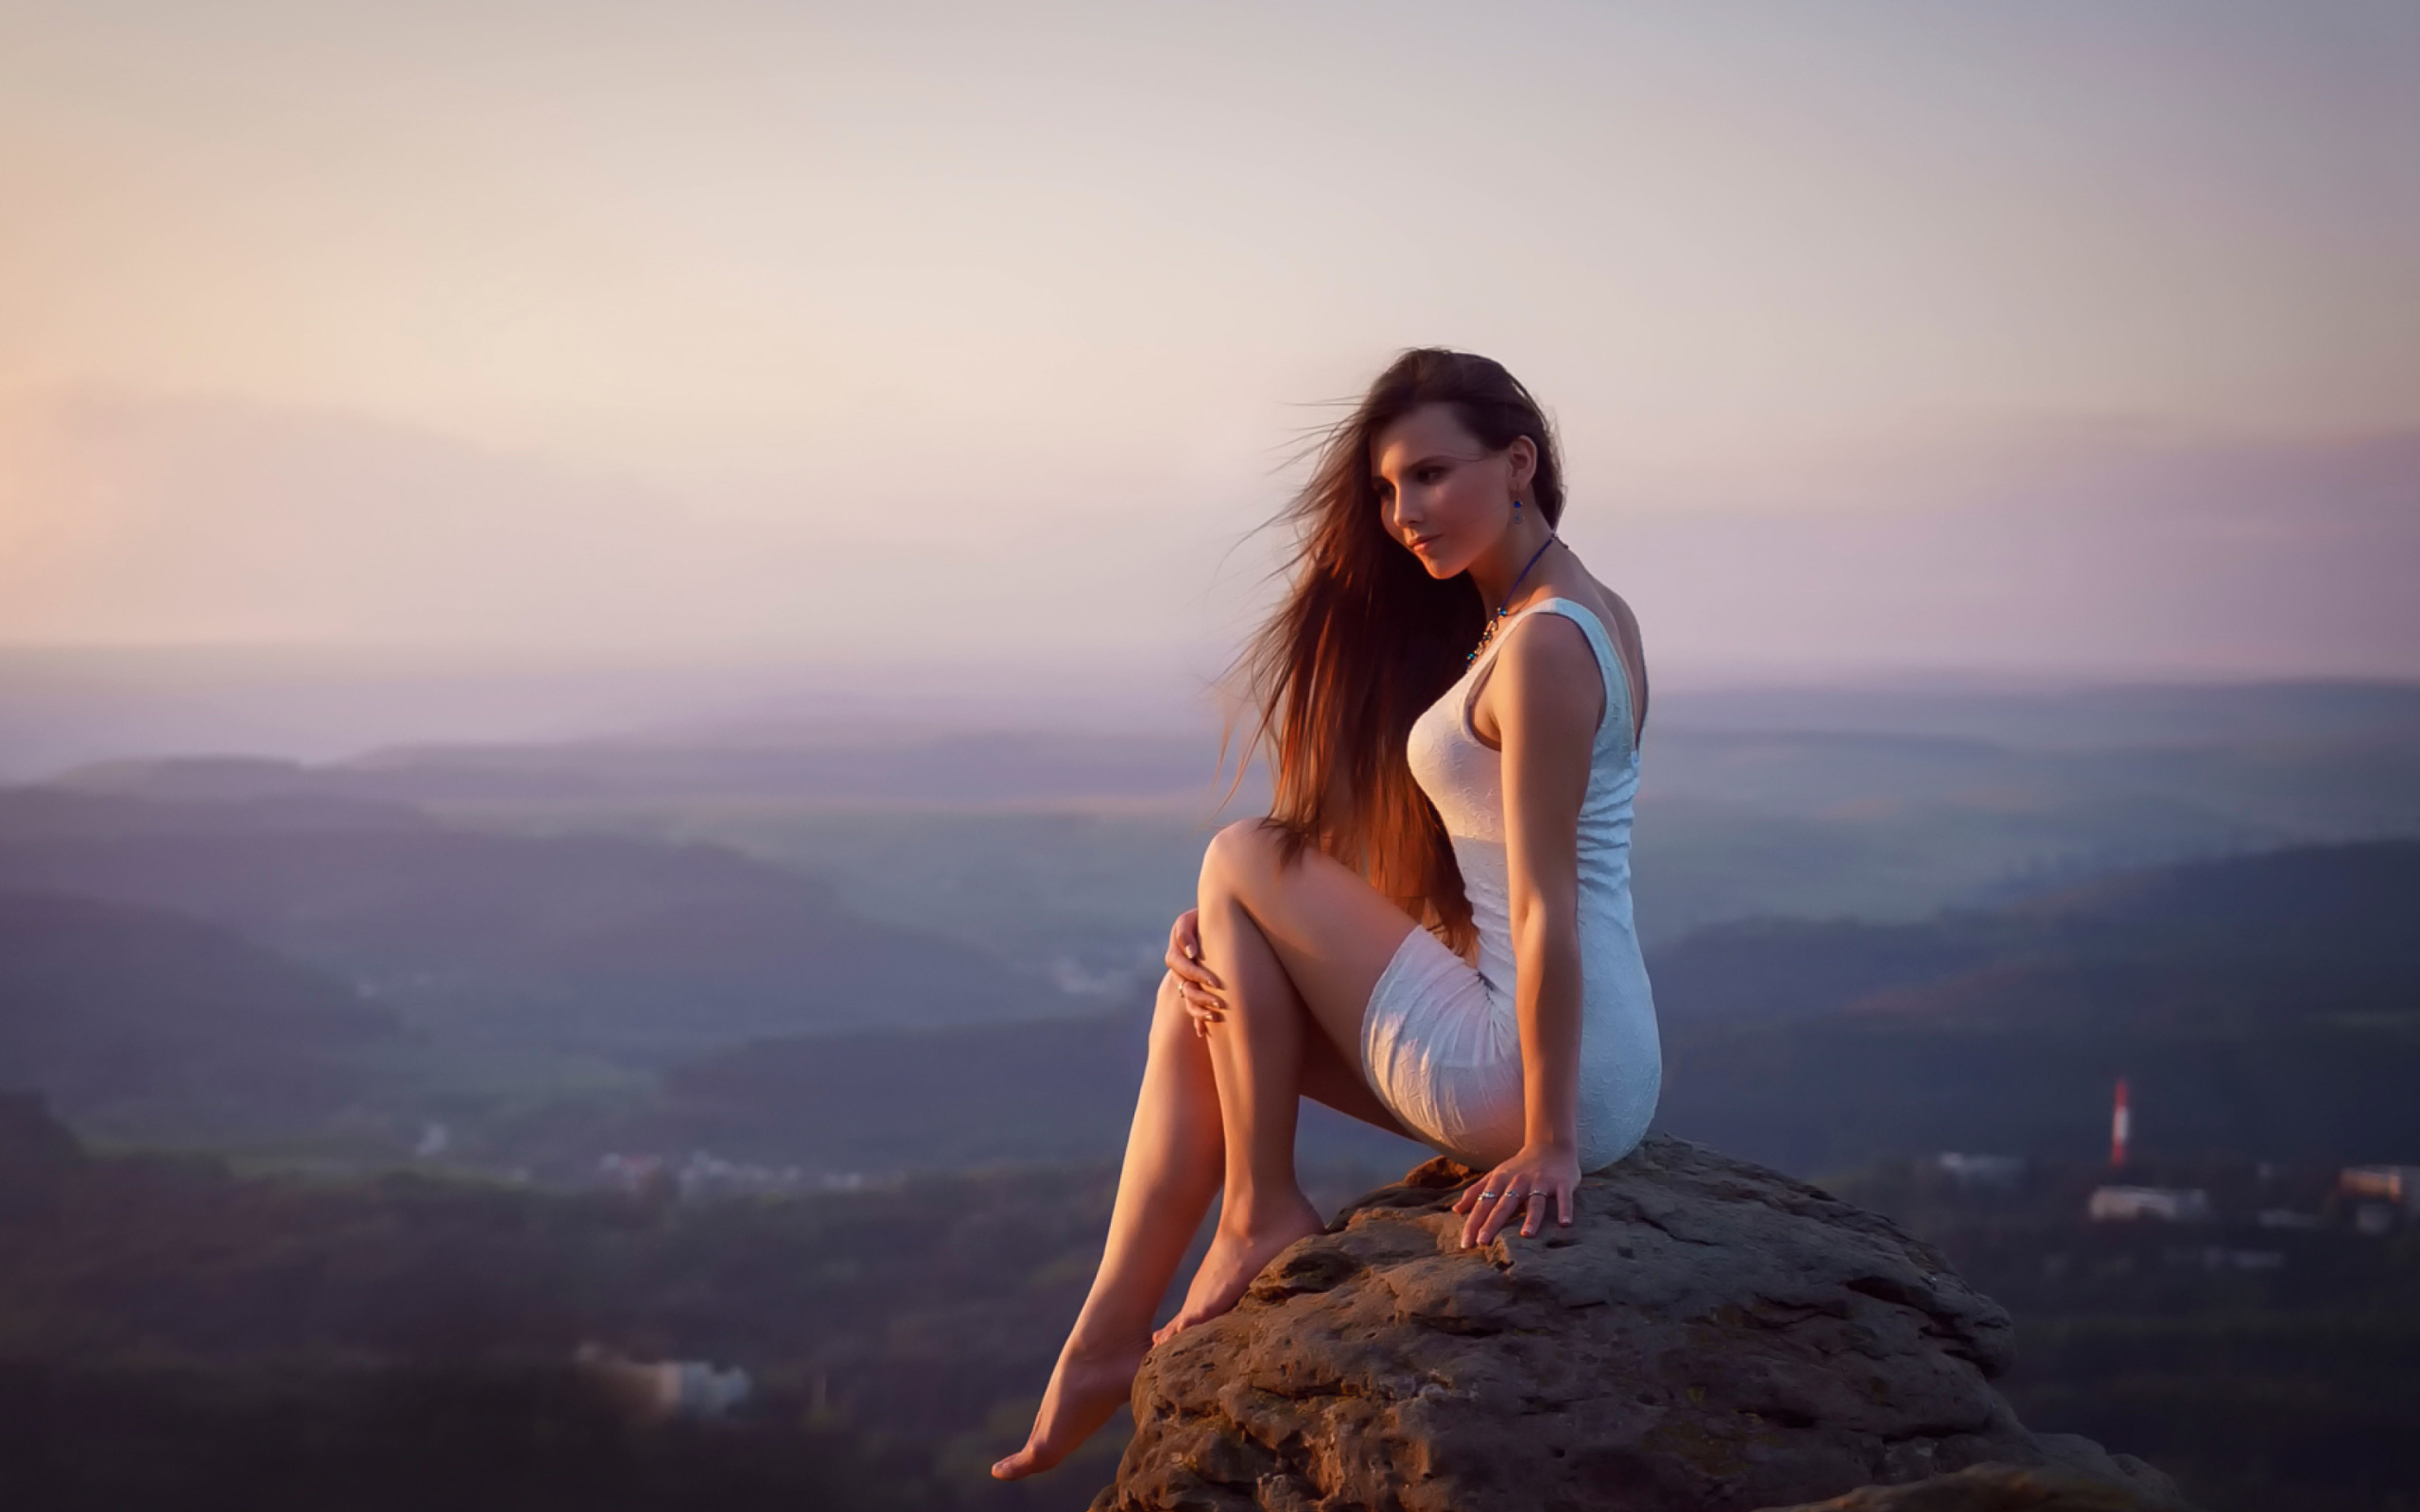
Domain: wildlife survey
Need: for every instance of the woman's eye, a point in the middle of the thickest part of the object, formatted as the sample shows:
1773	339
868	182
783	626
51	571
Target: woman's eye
1429	474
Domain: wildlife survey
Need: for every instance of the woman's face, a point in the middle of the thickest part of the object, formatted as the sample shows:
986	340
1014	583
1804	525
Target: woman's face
1443	497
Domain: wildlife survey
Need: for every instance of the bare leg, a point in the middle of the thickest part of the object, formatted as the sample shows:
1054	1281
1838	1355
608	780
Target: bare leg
1257	1055
1173	1151
1256	913
1328	934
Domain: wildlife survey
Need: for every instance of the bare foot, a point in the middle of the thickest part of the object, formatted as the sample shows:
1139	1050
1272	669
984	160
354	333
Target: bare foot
1234	1259
1087	1389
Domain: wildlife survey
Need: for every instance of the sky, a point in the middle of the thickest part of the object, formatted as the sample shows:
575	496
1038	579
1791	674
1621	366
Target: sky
2055	338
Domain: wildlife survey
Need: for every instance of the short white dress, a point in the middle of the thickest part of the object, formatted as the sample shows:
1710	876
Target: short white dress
1441	1038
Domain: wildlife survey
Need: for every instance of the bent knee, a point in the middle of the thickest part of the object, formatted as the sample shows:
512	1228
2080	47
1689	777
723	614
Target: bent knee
1239	852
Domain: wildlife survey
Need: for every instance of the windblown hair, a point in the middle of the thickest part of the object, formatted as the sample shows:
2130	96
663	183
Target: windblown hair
1366	640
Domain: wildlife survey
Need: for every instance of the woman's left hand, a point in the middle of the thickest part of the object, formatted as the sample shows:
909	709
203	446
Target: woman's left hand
1522	1187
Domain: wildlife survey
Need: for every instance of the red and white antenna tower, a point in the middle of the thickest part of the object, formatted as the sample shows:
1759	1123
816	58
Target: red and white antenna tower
2120	1125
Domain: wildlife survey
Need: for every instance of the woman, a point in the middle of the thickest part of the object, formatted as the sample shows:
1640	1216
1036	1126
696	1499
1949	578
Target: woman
1432	930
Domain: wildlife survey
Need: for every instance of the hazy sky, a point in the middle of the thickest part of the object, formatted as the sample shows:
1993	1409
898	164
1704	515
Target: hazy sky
2063	335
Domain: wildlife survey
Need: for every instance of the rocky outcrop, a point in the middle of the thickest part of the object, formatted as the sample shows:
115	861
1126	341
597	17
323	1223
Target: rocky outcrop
1708	1335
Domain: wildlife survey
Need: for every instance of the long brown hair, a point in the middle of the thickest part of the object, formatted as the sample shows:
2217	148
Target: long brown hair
1366	640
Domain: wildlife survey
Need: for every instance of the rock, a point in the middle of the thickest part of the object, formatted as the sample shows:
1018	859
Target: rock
1709	1334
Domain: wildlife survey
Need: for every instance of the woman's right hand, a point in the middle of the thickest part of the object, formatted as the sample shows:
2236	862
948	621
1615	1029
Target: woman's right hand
1199	984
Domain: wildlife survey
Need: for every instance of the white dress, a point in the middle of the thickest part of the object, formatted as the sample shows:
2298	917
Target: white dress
1440	1039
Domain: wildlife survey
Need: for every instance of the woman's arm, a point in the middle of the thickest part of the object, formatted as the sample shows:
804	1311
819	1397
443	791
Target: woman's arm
1548	697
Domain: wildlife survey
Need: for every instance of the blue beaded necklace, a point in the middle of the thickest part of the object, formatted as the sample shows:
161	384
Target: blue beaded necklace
1488	634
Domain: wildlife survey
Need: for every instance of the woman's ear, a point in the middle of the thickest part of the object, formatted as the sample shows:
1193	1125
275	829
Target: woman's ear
1521	457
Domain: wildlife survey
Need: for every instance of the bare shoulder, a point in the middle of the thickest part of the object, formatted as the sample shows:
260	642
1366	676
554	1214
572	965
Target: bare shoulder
1549	673
1551	645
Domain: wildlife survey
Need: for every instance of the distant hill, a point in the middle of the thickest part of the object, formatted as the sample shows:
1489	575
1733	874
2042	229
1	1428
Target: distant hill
966	768
935	1099
2285	933
2049	715
2264	1007
1808	823
2313	903
2328	918
1884	803
105	1005
73	814
620	944
879	1101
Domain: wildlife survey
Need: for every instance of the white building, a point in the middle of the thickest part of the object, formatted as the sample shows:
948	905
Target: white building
2396	1184
2168	1204
1980	1170
657	1389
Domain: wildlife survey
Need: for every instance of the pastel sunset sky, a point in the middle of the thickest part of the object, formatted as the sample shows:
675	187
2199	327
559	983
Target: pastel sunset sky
2054	337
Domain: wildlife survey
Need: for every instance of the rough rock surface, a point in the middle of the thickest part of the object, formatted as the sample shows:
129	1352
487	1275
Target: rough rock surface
1708	1335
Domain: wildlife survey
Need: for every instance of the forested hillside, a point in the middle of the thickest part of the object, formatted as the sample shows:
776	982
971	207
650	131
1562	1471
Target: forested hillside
2264	1007
111	1008
625	945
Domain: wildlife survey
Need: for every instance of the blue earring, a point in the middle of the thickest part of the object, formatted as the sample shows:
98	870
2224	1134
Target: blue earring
1516	503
